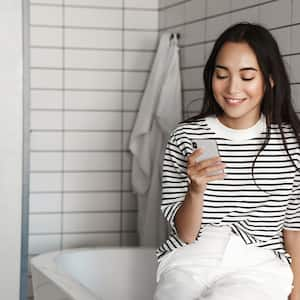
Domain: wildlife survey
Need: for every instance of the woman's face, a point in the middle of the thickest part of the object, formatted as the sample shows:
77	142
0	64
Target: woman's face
238	85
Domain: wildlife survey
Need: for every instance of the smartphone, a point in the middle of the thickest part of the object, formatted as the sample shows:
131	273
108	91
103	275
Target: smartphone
210	149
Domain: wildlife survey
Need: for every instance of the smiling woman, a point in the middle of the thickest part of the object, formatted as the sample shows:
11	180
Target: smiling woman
252	208
239	86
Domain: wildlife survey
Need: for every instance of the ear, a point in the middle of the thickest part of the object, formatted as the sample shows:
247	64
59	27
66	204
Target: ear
271	81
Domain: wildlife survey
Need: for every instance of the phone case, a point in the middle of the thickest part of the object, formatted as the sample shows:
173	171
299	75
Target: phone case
210	149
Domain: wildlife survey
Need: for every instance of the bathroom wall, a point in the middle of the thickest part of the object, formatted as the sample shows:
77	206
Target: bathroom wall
201	21
89	61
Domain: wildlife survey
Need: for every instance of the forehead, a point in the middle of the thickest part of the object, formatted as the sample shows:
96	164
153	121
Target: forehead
236	55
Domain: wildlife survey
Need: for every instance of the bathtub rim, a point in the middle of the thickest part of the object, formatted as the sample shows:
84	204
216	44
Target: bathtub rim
46	264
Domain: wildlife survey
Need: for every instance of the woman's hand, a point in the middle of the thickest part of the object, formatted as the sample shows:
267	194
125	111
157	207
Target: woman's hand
200	172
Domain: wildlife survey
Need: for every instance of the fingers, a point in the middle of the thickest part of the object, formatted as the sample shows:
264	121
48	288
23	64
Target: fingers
218	168
201	172
193	159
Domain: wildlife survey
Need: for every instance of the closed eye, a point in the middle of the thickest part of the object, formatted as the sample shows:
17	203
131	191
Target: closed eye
224	77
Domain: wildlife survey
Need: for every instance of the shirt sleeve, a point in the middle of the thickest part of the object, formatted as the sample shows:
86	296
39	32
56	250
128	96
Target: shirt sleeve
292	217
174	181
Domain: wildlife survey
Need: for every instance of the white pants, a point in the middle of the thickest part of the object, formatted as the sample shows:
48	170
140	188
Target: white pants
220	266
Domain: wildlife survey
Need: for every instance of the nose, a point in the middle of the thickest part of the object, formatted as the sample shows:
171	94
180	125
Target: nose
233	86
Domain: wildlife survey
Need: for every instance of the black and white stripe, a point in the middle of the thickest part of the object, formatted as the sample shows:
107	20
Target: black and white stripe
258	215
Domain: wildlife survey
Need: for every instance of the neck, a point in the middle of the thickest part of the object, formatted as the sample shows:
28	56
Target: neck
238	123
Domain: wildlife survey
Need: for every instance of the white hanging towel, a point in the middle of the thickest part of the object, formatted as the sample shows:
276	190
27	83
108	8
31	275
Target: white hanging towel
160	111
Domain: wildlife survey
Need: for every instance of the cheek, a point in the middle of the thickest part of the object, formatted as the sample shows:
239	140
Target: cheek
216	86
256	89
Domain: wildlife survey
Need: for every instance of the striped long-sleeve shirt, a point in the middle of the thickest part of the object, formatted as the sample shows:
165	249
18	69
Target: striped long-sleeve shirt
257	214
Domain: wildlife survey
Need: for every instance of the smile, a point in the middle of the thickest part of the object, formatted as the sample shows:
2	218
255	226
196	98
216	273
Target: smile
234	100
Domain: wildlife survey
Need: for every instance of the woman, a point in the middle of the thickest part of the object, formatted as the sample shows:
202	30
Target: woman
235	218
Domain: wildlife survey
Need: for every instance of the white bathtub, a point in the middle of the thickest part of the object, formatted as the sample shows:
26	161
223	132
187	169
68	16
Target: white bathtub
95	273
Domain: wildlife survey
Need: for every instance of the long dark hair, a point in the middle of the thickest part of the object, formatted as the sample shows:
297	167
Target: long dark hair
276	103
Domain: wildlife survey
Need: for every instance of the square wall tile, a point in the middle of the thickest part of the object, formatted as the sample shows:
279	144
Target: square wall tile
138	19
194	10
295	40
194	33
92	161
81	79
99	3
44	223
126	184
132	100
214	7
295	68
92	141
93	59
129	221
92	120
295	11
282	37
93	100
192	78
49	141
46	161
134	60
193	101
93	38
46	99
90	17
174	15
47	79
135	81
46	15
129	239
42	57
45	182
249	15
46	37
92	202
39	244
238	4
47	1
296	96
46	120
129	120
207	50
135	40
275	14
72	240
45	202
215	26
95	181
153	4
193	56
91	222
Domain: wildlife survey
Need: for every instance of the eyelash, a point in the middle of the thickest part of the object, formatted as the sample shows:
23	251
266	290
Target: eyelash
245	79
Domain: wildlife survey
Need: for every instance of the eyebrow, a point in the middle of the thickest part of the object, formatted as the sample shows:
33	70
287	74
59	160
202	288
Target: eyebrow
242	69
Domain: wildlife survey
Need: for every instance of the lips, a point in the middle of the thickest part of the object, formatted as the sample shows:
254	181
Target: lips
234	100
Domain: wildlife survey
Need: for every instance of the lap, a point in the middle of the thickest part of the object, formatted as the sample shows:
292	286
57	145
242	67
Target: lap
270	280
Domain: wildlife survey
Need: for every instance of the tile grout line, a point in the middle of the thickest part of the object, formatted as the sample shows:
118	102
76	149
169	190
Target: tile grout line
63	128
122	119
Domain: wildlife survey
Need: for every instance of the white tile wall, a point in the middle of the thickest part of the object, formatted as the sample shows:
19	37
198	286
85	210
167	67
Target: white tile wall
89	61
203	20
97	201
93	38
93	59
90	17
87	80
